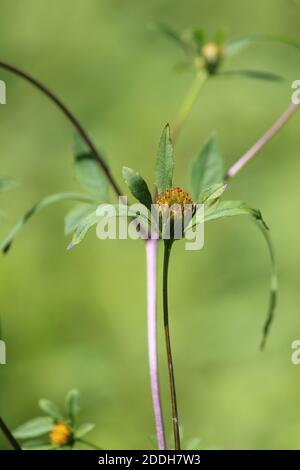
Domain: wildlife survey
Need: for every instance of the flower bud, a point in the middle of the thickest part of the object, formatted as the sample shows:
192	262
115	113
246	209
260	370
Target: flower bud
212	54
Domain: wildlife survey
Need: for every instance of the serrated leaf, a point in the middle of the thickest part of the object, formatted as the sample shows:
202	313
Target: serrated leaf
253	74
83	429
6	184
207	168
164	162
47	201
76	215
237	208
138	186
50	409
73	404
88	172
34	428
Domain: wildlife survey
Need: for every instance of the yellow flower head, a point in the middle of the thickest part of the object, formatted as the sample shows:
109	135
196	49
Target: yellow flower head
60	434
174	196
212	54
174	204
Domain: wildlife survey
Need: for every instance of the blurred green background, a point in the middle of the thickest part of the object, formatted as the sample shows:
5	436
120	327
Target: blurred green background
78	319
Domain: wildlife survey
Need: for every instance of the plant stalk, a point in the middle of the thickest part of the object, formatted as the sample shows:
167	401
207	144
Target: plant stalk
70	117
151	252
175	421
262	141
189	102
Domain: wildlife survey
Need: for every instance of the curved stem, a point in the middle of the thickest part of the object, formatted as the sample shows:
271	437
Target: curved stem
69	116
189	102
11	439
167	251
262	141
151	251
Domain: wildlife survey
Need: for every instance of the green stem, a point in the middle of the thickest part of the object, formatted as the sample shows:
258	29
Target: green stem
167	251
189	102
89	444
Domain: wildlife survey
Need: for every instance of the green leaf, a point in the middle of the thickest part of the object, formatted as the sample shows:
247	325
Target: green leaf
38	444
137	186
176	37
231	209
88	172
207	168
83	429
48	200
50	409
212	193
6	184
164	162
236	45
253	74
76	215
73	404
236	208
34	428
110	210
198	38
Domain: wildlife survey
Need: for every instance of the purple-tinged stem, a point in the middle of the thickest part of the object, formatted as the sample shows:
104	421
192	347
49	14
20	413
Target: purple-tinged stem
151	252
262	141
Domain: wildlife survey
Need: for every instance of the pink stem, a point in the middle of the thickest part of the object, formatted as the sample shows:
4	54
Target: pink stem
151	251
263	140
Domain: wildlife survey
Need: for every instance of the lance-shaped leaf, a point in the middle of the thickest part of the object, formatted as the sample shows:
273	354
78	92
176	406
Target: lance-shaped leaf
6	184
50	409
212	193
236	45
76	215
198	36
83	429
48	200
73	404
107	211
164	162
38	444
174	36
88	172
137	186
253	74
207	168
237	208
34	428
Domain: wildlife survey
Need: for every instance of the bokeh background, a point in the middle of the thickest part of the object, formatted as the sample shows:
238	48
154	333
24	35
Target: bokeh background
78	319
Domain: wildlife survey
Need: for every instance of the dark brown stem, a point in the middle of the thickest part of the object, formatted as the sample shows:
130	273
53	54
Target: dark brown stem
167	251
14	443
70	117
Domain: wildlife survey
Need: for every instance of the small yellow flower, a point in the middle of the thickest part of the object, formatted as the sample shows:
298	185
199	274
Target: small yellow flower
212	54
174	204
60	434
174	196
